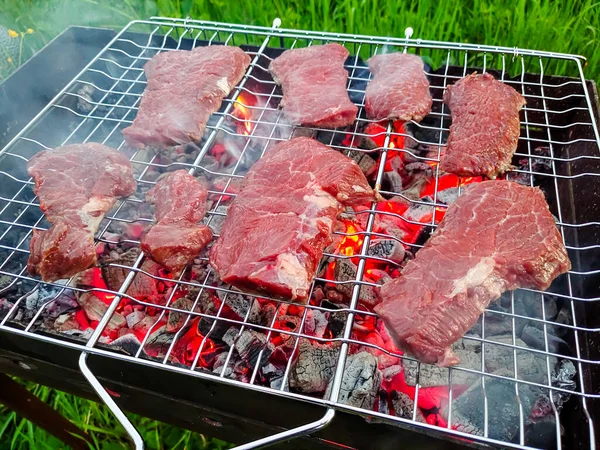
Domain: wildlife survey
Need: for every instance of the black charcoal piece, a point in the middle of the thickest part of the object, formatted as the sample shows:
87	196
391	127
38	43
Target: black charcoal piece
314	366
502	406
128	344
345	271
176	319
360	382
469	353
404	406
250	343
387	249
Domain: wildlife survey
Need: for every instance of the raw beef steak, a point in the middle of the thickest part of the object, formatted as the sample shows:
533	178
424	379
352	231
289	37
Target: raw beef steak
184	89
485	126
399	89
497	236
178	237
313	80
283	217
76	185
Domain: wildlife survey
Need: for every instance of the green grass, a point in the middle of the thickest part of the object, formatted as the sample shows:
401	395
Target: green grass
570	26
98	422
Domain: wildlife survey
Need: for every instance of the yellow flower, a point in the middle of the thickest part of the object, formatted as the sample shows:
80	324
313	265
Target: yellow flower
10	59
13	33
29	30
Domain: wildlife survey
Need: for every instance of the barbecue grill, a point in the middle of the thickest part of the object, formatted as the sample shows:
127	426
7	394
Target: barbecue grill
558	151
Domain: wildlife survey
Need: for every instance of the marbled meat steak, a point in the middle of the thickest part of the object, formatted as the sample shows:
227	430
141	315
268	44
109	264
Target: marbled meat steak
283	217
178	237
497	236
184	88
76	185
485	126
313	80
399	89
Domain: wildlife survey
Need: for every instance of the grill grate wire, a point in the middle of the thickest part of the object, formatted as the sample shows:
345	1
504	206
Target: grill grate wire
117	75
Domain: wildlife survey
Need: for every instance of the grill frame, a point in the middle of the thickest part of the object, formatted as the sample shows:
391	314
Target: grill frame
91	348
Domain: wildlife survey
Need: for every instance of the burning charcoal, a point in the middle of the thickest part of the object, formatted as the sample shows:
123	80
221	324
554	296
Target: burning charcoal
207	304
267	313
316	322
66	322
534	307
240	304
275	383
158	343
415	185
390	372
419	213
220	363
317	294
382	402
134	318
392	182
499	324
128	344
534	338
65	302
292	324
216	218
95	309
337	320
367	164
469	353
564	374
335	296
361	381
143	326
85	99
531	366
387	249
502	406
115	276
404	406
38	298
464	425
250	343
345	270
5	307
562	318
448	196
272	369
177	319
230	335
314	366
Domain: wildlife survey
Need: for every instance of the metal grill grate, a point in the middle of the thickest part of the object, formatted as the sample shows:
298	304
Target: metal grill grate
103	99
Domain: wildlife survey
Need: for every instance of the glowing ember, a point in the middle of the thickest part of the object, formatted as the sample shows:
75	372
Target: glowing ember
190	343
448	181
351	243
242	110
99	283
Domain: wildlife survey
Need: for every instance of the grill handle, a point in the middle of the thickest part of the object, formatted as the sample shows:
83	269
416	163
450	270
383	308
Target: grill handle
293	433
135	437
138	442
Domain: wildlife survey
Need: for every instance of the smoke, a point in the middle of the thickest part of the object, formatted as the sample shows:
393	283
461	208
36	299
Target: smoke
47	18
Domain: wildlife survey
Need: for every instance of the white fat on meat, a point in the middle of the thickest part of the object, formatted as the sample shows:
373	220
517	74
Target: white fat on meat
321	199
223	84
292	273
475	276
93	212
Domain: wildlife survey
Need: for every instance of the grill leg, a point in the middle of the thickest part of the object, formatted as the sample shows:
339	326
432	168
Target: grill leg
27	405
